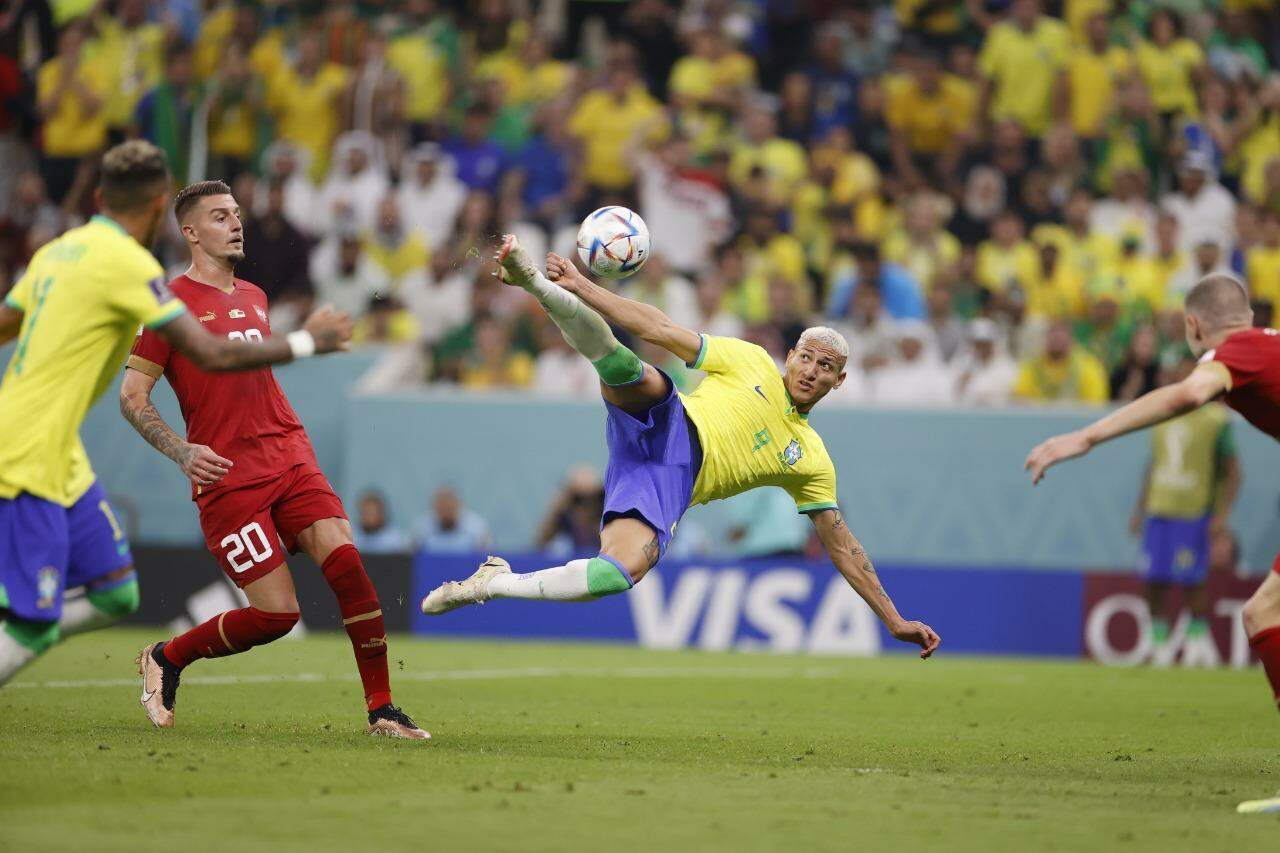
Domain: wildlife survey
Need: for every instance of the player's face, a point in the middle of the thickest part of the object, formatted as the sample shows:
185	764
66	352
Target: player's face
218	228
812	370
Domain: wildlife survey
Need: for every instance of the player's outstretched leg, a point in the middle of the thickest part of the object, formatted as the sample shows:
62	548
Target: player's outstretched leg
629	548
628	382
1262	624
328	542
272	613
105	602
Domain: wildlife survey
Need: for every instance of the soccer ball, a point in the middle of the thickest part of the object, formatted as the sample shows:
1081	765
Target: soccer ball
613	242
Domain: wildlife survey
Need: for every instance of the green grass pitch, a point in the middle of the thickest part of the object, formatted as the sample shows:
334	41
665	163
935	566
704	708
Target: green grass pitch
596	748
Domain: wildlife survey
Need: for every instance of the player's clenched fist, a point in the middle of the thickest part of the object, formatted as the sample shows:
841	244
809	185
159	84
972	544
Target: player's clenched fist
330	329
202	466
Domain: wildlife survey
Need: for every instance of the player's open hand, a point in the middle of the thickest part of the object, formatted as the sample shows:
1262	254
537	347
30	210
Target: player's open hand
330	329
202	466
920	634
1048	453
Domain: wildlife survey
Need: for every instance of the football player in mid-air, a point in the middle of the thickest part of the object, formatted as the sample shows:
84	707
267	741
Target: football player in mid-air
254	477
75	313
744	427
1240	365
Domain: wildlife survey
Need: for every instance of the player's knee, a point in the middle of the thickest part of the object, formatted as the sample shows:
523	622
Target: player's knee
118	601
272	625
607	575
620	367
1259	612
36	637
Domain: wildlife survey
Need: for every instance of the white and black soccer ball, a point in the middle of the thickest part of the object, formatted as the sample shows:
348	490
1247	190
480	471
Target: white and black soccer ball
613	242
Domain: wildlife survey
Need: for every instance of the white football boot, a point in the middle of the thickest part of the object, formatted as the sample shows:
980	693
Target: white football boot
474	590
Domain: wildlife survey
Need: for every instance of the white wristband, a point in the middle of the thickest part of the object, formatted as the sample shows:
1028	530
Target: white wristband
301	344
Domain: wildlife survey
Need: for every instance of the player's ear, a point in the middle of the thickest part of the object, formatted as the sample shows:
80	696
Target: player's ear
97	198
839	380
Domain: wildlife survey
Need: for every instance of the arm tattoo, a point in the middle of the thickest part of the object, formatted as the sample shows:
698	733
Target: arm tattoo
147	421
839	522
652	552
863	561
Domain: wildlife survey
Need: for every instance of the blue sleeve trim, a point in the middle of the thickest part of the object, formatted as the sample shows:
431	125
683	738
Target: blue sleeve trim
805	509
696	364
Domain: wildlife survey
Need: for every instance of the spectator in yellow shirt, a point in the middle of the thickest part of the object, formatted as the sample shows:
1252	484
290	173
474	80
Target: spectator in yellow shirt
1054	290
1090	253
930	115
1094	73
1021	59
921	246
70	96
608	121
1171	65
236	102
393	248
131	51
1063	372
306	100
767	253
493	363
1006	261
1263	264
783	162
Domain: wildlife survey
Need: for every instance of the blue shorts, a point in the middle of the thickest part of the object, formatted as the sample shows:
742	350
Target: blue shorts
46	548
1175	550
653	464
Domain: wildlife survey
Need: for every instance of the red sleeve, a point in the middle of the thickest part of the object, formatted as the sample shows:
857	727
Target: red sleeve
150	353
1243	357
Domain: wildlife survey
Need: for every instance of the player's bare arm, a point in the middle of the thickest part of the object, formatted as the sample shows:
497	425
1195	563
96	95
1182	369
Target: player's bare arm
202	466
851	560
1206	383
10	323
643	321
325	331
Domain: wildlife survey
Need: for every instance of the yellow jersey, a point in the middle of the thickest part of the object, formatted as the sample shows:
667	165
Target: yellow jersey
1262	269
750	432
1022	67
83	296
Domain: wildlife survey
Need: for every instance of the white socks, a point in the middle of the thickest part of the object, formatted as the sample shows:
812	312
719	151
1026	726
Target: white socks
561	583
80	615
14	656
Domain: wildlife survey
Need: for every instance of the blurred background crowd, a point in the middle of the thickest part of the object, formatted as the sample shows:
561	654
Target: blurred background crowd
997	200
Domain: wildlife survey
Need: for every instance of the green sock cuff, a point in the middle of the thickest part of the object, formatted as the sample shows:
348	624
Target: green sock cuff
605	577
620	367
34	636
118	601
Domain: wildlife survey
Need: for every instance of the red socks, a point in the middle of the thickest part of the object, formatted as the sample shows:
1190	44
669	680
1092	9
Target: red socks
229	633
1266	645
362	617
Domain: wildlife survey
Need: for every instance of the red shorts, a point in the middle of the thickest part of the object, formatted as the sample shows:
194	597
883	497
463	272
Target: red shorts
244	527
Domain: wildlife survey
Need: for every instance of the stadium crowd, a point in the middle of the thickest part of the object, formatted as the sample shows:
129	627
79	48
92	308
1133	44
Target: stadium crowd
996	201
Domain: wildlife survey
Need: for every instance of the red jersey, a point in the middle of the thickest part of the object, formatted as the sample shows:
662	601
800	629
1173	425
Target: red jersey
1253	358
243	416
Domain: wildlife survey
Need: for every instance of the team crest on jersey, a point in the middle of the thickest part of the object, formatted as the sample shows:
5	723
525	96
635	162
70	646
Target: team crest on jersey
262	314
791	455
46	587
235	314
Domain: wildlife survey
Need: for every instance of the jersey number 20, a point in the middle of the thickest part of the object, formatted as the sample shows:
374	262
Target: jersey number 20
246	335
250	541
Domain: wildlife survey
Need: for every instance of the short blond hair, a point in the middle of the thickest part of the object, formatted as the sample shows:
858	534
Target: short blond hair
827	337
